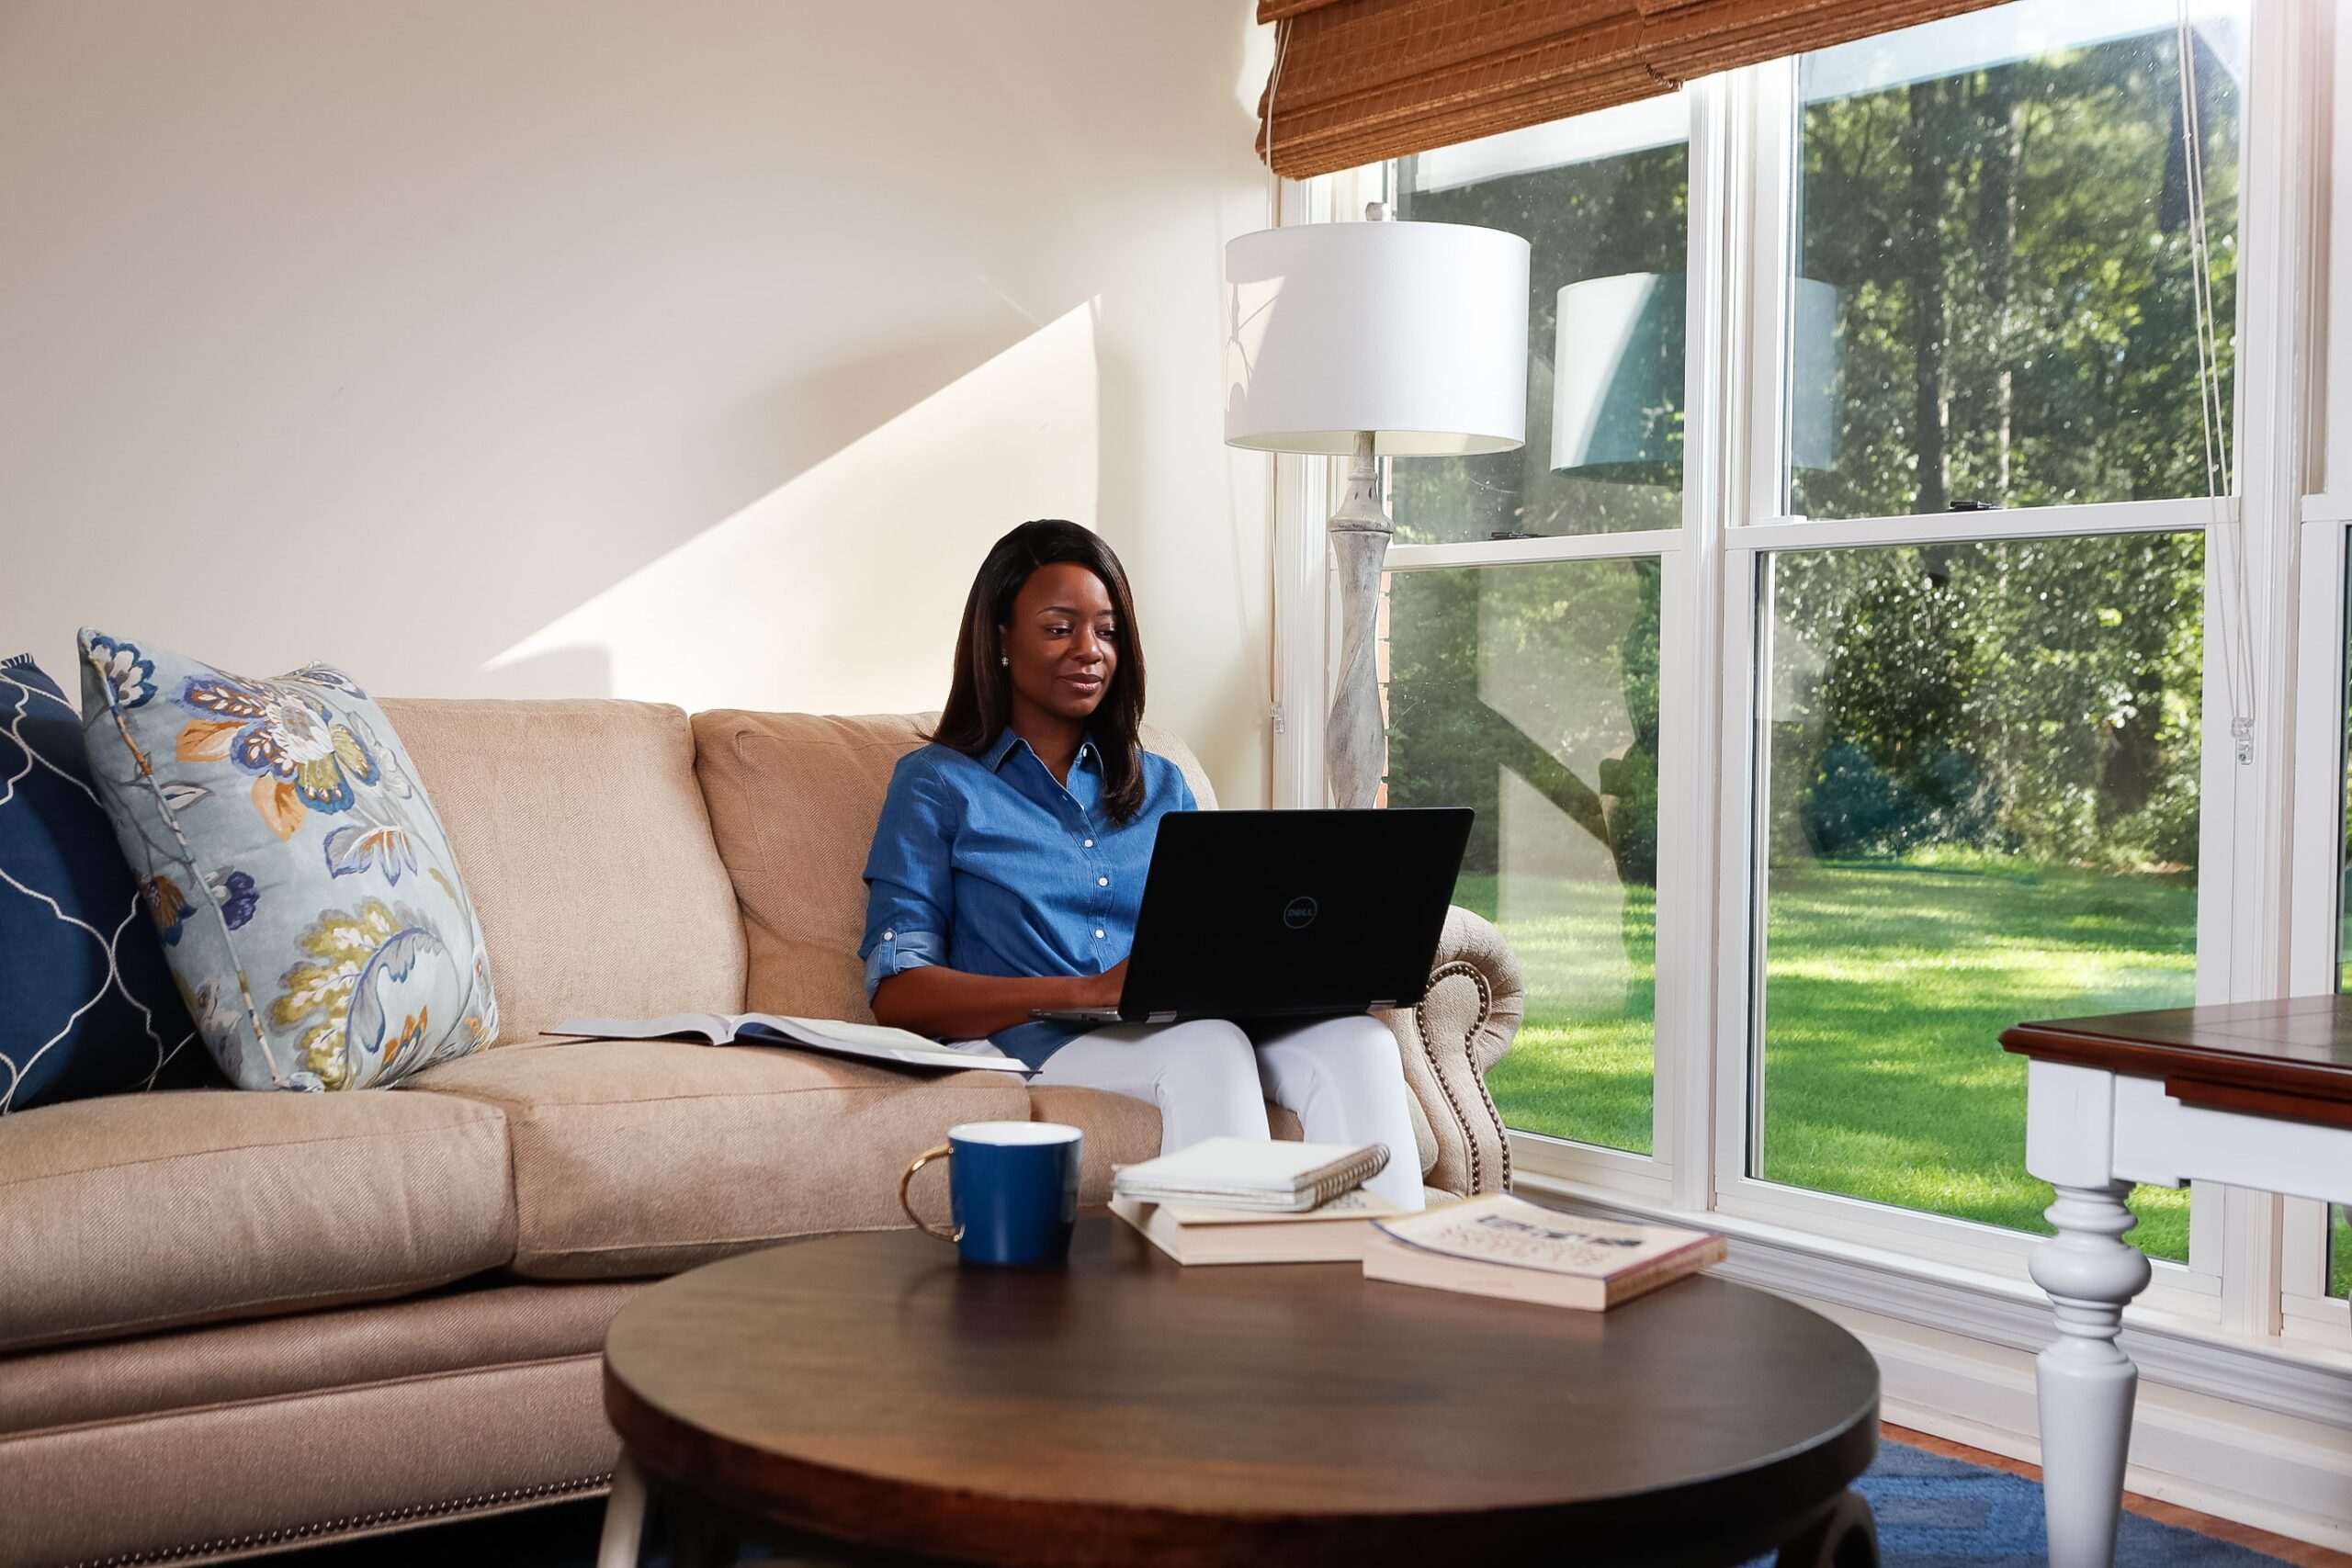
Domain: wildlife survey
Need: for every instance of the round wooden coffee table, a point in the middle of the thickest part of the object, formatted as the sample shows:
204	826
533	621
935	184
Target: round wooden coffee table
866	1398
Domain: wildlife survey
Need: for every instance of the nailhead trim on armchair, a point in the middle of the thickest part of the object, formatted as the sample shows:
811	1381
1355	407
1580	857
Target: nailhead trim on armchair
1448	1054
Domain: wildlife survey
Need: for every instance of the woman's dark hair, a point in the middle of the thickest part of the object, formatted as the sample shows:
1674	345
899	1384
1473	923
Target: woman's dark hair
979	701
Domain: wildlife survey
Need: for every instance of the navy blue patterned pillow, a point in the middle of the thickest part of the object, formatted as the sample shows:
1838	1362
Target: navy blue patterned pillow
87	1005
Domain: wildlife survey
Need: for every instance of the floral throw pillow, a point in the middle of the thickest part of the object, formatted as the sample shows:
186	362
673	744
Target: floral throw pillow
305	892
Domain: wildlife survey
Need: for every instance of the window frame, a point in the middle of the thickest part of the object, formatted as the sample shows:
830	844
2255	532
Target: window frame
2249	1251
2315	841
2306	1310
1682	936
1764	528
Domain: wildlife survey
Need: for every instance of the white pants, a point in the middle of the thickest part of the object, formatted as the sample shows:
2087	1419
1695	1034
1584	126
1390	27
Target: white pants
1342	1075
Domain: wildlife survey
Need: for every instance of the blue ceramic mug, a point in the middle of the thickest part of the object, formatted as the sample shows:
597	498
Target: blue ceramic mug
1013	1186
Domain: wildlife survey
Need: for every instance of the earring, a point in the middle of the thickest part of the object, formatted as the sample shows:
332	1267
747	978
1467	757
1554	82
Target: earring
1005	658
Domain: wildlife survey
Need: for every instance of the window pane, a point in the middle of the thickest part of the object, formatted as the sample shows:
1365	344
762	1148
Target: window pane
1530	694
1996	300
1983	770
1603	201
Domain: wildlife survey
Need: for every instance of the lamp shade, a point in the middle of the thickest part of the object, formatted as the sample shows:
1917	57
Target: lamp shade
1617	372
1414	331
1617	376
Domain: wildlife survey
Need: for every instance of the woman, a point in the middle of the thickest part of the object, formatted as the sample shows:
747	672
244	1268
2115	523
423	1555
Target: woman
1009	865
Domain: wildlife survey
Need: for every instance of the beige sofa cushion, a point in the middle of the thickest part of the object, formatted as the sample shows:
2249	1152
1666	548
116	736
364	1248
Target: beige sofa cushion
581	838
644	1156
793	800
142	1211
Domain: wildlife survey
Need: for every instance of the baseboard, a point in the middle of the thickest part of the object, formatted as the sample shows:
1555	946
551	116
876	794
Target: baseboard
2276	1472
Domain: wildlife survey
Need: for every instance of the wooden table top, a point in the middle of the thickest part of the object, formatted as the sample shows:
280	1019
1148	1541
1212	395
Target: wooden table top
1128	1410
2290	1058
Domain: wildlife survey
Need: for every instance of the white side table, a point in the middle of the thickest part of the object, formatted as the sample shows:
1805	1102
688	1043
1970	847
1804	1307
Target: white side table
2255	1094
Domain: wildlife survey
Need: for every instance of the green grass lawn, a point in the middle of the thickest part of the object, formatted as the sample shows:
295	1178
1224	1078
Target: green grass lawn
1887	988
1580	1067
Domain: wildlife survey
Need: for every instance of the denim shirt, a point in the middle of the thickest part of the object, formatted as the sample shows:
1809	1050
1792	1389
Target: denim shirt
987	865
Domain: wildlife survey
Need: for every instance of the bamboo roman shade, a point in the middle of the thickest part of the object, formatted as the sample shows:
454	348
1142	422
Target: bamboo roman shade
1357	81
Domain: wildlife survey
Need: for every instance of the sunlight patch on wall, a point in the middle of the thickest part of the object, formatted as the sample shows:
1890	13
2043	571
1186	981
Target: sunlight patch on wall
840	590
1257	61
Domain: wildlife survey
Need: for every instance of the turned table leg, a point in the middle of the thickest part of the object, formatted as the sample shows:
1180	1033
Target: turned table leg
2086	1381
624	1516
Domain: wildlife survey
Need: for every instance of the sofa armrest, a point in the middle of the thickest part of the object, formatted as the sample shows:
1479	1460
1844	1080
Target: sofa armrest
1462	1028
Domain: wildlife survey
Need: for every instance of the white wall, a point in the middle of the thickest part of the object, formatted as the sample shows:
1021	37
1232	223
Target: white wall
681	349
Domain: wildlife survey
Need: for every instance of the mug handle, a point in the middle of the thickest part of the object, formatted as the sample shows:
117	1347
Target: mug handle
924	1158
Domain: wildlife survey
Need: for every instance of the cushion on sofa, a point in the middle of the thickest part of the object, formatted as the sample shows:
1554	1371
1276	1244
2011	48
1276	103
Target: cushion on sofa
588	853
309	901
643	1157
87	1005
140	1211
793	799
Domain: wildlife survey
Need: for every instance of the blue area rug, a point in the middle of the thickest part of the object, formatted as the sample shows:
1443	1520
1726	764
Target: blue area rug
1946	1513
1932	1513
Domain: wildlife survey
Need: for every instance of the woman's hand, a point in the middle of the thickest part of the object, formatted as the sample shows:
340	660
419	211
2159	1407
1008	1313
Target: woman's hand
1103	990
948	1004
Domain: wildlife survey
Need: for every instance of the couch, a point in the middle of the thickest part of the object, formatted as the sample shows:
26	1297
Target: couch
234	1322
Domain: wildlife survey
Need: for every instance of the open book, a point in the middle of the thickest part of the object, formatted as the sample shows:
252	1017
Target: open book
868	1042
1498	1246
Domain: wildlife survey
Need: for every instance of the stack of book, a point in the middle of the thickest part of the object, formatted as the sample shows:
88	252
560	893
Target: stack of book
1244	1200
1237	1200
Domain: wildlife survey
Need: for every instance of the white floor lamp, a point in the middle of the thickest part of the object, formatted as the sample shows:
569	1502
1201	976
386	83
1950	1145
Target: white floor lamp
1372	340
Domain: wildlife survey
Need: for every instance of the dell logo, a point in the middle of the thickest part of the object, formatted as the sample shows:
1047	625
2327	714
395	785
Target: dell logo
1300	912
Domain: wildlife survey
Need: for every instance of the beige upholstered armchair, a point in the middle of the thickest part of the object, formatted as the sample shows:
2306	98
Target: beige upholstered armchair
1450	1042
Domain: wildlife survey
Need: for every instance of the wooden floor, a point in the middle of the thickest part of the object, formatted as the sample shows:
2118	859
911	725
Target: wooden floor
2298	1552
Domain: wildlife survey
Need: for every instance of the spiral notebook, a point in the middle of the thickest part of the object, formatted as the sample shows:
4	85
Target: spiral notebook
1251	1173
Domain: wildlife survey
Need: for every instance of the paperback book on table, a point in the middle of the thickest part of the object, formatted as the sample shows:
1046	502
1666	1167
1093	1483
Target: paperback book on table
1499	1245
868	1042
1202	1233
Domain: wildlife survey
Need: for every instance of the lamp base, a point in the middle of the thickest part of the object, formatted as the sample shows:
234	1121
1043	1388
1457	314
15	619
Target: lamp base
1355	747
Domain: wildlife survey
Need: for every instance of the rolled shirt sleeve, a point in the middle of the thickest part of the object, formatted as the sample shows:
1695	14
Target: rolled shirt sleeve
908	876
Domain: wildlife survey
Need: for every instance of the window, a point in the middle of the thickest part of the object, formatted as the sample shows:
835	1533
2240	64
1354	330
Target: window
1979	758
1530	694
1530	689
1994	213
1981	808
1829	668
1604	203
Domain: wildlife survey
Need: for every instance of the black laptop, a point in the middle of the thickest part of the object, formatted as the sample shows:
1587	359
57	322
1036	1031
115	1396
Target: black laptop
1284	914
